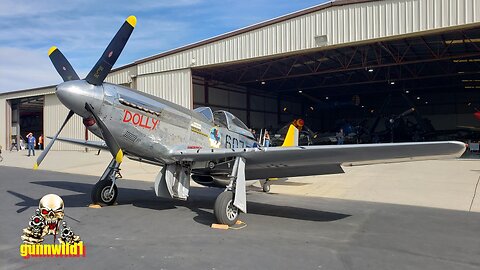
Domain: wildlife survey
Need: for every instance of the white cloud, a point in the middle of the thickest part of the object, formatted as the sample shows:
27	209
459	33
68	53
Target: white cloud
18	8
82	30
23	69
156	4
81	39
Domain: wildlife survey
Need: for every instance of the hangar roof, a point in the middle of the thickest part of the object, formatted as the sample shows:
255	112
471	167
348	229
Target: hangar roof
430	61
254	27
335	23
44	90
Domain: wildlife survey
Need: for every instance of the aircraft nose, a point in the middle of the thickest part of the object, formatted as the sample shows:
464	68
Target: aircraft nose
74	95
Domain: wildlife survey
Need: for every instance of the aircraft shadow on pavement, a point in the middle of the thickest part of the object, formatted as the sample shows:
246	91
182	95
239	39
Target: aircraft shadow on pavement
200	198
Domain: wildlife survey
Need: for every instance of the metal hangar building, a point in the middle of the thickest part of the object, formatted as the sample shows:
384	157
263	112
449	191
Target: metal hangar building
345	59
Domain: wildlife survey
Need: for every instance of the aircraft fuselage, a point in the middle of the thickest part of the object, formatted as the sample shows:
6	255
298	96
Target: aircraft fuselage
146	126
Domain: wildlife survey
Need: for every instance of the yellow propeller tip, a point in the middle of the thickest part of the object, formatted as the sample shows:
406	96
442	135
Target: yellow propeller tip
35	166
51	50
132	20
119	156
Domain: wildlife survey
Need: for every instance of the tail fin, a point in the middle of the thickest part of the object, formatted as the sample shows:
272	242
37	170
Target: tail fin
291	139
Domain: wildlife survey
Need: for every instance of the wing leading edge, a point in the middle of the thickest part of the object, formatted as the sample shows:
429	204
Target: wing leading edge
325	159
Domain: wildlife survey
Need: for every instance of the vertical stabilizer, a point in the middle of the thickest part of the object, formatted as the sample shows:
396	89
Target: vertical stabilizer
291	139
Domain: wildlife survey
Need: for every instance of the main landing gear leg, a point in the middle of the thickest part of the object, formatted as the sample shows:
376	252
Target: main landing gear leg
105	190
233	200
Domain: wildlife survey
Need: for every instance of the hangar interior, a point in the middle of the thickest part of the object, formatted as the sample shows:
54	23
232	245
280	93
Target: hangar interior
26	116
362	85
383	70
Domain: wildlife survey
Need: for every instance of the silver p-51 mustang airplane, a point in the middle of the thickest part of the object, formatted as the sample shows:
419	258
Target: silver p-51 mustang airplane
212	148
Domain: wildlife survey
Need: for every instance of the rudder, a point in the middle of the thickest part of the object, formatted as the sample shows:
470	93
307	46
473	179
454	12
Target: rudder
291	138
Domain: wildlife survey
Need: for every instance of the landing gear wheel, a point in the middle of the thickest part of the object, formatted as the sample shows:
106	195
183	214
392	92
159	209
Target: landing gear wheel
101	193
266	187
225	211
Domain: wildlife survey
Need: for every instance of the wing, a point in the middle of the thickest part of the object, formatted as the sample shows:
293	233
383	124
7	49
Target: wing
476	129
92	144
325	159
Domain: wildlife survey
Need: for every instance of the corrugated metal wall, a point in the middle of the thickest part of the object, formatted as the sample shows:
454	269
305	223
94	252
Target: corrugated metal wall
123	76
341	24
174	86
54	114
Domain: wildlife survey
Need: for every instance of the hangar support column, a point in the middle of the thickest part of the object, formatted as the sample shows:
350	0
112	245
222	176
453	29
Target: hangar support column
5	122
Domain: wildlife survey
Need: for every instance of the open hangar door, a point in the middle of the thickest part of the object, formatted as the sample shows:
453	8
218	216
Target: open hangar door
26	117
413	88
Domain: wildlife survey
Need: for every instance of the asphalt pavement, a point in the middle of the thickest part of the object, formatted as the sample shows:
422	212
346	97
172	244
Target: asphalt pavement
282	232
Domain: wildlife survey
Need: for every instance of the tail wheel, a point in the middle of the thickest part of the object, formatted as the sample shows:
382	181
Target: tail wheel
225	211
266	187
101	193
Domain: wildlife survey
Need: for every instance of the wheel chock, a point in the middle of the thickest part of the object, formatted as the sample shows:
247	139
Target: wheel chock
238	225
94	205
219	226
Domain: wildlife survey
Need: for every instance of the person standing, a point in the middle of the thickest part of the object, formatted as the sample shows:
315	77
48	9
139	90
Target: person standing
40	142
14	144
31	143
340	136
267	139
254	134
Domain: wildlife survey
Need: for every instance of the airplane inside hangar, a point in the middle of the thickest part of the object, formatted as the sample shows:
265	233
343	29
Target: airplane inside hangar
427	84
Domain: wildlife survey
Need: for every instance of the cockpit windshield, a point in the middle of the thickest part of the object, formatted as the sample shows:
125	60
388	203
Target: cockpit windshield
220	119
205	112
233	123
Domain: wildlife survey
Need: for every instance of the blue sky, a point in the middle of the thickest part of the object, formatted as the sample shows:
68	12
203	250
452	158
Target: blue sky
82	30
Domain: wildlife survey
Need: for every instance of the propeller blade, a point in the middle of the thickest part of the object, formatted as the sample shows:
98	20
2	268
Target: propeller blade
101	69
112	144
407	112
62	65
45	151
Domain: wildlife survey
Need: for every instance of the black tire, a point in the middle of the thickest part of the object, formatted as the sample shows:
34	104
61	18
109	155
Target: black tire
225	211
99	191
266	187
